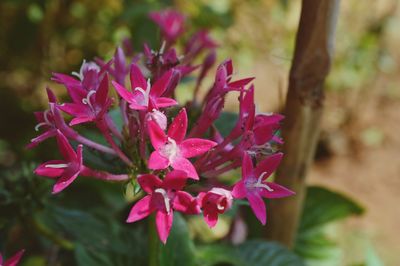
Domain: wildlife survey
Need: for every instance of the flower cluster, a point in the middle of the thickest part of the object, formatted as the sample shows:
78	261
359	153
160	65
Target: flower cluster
163	144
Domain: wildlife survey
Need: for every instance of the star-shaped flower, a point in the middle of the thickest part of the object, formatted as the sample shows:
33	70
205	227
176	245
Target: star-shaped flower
88	106
164	196
143	92
254	187
66	170
172	149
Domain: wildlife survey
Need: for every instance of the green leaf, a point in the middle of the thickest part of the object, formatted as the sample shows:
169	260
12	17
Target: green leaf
322	206
226	122
250	253
179	249
258	253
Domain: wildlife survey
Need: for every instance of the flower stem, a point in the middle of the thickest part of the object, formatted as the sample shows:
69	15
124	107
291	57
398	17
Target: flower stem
103	175
154	242
103	128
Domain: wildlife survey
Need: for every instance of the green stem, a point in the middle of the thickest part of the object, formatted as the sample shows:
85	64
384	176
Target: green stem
154	242
49	234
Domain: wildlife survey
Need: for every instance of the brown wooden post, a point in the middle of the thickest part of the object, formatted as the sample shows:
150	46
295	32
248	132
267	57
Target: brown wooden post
304	106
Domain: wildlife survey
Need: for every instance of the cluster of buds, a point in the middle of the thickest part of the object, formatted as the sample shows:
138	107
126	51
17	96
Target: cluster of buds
160	152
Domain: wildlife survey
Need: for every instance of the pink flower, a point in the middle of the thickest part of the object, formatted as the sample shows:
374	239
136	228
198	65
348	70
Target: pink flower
172	149
170	22
214	202
66	170
164	196
14	260
143	92
254	187
88	106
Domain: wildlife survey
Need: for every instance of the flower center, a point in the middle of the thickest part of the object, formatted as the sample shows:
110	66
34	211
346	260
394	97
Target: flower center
46	121
85	67
259	183
57	166
145	93
164	194
87	99
170	150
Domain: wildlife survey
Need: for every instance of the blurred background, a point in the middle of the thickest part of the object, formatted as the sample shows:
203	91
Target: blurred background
359	148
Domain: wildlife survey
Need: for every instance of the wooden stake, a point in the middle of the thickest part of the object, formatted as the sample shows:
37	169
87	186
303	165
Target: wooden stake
304	106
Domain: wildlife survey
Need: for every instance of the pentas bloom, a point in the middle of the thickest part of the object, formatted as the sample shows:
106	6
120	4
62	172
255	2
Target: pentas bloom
164	196
149	144
14	260
254	187
67	170
90	105
172	149
214	202
142	91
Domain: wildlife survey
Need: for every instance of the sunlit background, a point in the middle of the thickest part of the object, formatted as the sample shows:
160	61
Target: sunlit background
359	148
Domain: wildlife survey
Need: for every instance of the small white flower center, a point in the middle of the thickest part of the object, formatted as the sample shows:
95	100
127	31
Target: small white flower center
87	99
259	183
170	150
165	197
85	66
145	93
57	166
46	121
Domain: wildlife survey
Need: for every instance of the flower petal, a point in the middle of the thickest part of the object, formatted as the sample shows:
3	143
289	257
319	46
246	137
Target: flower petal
137	78
184	164
102	91
164	224
178	127
186	203
211	218
268	165
65	180
140	210
258	206
14	260
278	191
124	93
193	147
163	102
35	141
239	190
157	135
175	179
81	120
42	170
149	182
157	161
74	109
161	84
247	165
65	148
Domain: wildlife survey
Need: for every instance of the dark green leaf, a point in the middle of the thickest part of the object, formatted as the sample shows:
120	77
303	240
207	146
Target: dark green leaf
179	249
250	253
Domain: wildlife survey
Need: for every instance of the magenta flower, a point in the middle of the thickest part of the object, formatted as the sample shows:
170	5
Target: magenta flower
254	187
172	149
143	92
66	170
170	22
164	196
214	202
14	260
88	106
